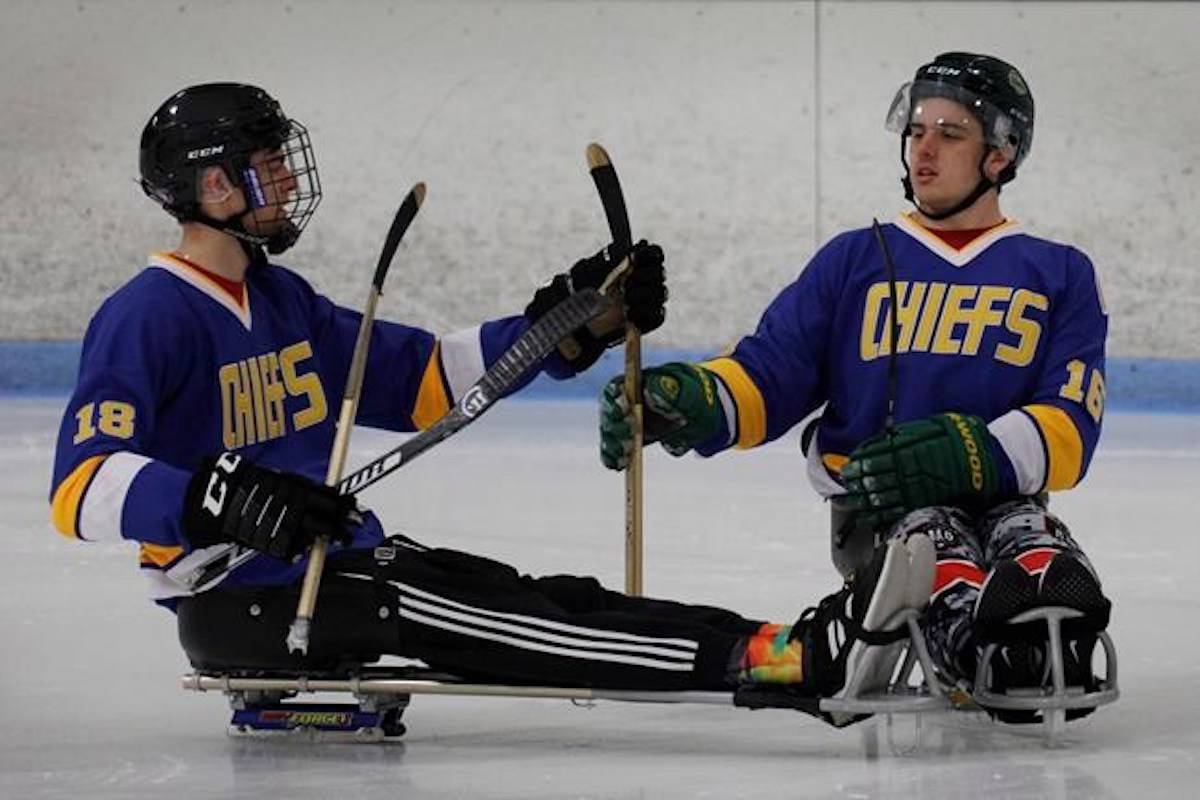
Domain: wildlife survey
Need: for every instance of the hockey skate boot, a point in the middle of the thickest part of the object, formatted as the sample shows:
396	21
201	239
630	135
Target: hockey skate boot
850	643
1038	619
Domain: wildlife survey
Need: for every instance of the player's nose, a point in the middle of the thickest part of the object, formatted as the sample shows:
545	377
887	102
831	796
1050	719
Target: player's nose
287	181
926	146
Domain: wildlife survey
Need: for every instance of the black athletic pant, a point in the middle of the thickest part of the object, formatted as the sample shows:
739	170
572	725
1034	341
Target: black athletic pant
470	616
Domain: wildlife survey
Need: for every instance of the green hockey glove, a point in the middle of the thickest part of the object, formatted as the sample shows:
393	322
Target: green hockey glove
945	459
680	409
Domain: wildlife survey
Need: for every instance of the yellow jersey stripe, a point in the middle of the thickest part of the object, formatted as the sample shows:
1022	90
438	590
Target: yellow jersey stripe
834	462
432	399
1064	446
159	555
68	497
751	408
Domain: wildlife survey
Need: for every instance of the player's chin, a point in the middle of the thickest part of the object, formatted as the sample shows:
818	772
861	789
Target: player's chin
266	224
933	202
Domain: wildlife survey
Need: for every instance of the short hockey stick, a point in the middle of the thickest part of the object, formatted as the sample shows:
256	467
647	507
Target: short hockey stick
297	638
524	354
611	197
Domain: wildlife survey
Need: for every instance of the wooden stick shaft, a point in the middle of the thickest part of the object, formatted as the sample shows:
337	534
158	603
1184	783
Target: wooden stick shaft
633	475
297	639
609	187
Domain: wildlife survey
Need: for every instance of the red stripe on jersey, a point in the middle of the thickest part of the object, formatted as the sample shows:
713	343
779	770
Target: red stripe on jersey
952	571
1035	561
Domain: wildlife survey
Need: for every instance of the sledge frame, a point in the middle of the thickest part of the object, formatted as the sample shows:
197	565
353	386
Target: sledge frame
381	694
386	690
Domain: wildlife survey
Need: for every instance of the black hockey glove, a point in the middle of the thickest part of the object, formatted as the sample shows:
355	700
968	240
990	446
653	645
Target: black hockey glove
277	513
644	290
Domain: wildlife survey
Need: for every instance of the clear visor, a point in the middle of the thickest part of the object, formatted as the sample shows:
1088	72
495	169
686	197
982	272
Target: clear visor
907	108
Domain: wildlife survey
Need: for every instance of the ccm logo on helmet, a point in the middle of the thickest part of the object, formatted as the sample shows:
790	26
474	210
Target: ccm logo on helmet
205	152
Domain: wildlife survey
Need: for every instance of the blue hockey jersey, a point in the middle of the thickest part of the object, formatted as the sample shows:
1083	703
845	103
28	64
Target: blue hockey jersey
174	369
1010	328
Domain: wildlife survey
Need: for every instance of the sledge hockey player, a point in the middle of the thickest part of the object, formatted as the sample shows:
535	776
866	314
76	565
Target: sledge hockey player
960	364
201	424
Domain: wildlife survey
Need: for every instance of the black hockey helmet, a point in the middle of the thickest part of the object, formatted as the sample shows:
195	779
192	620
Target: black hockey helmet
991	89
224	124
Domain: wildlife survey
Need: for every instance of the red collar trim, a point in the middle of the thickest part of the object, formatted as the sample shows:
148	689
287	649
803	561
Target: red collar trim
961	238
235	289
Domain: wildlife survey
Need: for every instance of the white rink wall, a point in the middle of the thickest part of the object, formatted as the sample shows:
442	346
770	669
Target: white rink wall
745	133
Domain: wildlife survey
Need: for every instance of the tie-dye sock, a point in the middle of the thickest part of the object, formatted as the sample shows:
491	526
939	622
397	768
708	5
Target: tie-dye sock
767	656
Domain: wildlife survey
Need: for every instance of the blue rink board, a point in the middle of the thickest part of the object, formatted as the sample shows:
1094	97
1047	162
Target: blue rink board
1134	384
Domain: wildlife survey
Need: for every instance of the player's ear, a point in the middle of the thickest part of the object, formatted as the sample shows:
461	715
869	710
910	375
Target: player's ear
215	186
997	159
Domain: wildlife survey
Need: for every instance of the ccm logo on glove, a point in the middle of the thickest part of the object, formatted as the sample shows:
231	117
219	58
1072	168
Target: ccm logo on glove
278	513
218	486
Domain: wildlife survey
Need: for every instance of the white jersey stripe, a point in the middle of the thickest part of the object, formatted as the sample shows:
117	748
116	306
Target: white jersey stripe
685	644
181	578
729	407
161	587
100	517
1018	434
462	360
959	258
441	617
587	655
818	476
209	287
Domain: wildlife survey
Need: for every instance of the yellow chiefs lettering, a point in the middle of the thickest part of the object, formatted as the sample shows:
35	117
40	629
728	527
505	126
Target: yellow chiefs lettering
951	319
253	391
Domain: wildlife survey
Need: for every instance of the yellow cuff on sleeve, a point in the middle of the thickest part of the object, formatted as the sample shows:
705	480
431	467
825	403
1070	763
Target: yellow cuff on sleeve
834	462
1064	446
751	419
159	555
64	508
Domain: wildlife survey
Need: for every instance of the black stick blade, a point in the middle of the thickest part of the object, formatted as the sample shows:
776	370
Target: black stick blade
609	187
404	217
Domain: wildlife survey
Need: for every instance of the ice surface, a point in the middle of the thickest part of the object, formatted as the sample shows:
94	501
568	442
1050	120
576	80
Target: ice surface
90	704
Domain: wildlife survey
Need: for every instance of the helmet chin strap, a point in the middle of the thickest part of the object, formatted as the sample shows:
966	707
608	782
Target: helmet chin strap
979	191
252	244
